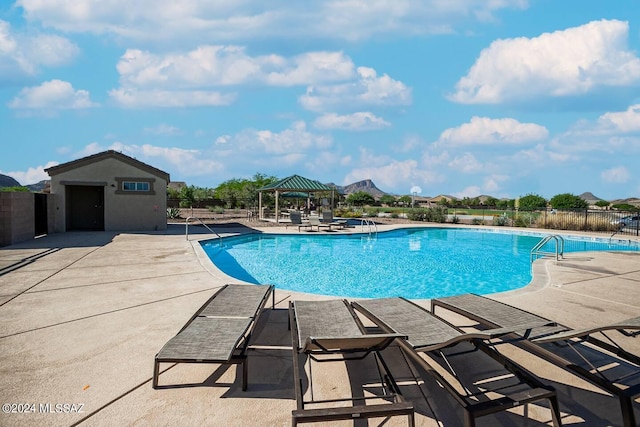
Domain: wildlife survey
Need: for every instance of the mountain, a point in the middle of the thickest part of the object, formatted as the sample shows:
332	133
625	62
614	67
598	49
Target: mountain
7	181
366	185
40	186
635	201
589	197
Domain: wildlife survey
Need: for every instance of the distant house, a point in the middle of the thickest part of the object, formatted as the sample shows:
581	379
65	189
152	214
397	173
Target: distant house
441	197
108	191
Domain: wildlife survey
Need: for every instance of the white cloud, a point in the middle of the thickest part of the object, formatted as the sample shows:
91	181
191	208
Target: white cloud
132	98
223	139
31	175
408	143
431	158
89	149
467	163
360	121
210	66
538	156
321	163
186	79
616	175
52	95
205	66
8	43
311	68
482	130
295	140
570	62
368	90
471	191
168	21
390	174
491	184
187	162
621	122
613	133
23	55
163	129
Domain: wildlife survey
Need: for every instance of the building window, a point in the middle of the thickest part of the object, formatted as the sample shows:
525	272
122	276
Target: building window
135	186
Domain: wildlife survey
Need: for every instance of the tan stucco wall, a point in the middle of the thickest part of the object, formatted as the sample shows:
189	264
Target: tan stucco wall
17	217
122	212
57	206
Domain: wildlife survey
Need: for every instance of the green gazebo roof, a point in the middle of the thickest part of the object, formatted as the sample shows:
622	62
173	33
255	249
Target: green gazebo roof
296	183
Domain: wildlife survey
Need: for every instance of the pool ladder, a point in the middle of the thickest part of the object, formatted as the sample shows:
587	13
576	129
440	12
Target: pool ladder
186	231
538	252
373	228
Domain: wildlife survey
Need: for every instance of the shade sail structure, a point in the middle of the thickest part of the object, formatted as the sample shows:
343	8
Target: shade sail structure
294	184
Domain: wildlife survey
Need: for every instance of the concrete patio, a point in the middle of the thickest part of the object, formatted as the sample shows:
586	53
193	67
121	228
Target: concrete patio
83	314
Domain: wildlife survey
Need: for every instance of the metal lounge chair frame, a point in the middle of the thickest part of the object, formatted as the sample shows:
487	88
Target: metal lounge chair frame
314	221
219	332
570	349
442	342
296	220
329	331
327	218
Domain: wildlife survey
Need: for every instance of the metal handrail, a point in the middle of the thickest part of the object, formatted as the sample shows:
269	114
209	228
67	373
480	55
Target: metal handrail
559	253
186	231
370	223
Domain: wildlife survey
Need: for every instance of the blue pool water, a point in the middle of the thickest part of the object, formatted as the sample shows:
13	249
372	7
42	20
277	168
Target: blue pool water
412	262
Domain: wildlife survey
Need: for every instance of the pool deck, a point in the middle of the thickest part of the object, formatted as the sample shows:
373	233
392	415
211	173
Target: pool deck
83	314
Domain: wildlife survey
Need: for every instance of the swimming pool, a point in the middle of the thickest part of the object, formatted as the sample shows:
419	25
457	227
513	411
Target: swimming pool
411	262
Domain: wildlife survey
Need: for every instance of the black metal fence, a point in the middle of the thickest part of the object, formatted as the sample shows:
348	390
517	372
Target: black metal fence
604	221
590	220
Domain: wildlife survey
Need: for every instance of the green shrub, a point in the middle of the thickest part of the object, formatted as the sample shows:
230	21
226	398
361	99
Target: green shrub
435	214
15	189
524	220
438	214
419	214
372	211
455	219
347	213
501	220
216	209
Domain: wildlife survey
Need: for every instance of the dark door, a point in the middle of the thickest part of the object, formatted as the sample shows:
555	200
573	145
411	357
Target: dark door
40	205
85	207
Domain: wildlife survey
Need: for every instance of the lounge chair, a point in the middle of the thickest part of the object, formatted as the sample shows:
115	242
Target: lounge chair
327	218
219	331
482	382
296	220
603	363
314	221
329	331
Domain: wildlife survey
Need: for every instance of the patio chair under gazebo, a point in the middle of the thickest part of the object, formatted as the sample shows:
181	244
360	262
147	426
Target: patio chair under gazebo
292	184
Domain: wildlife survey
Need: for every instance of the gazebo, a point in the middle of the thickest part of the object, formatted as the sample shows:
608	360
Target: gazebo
294	183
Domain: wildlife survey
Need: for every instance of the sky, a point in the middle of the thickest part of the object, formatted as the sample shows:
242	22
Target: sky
458	97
